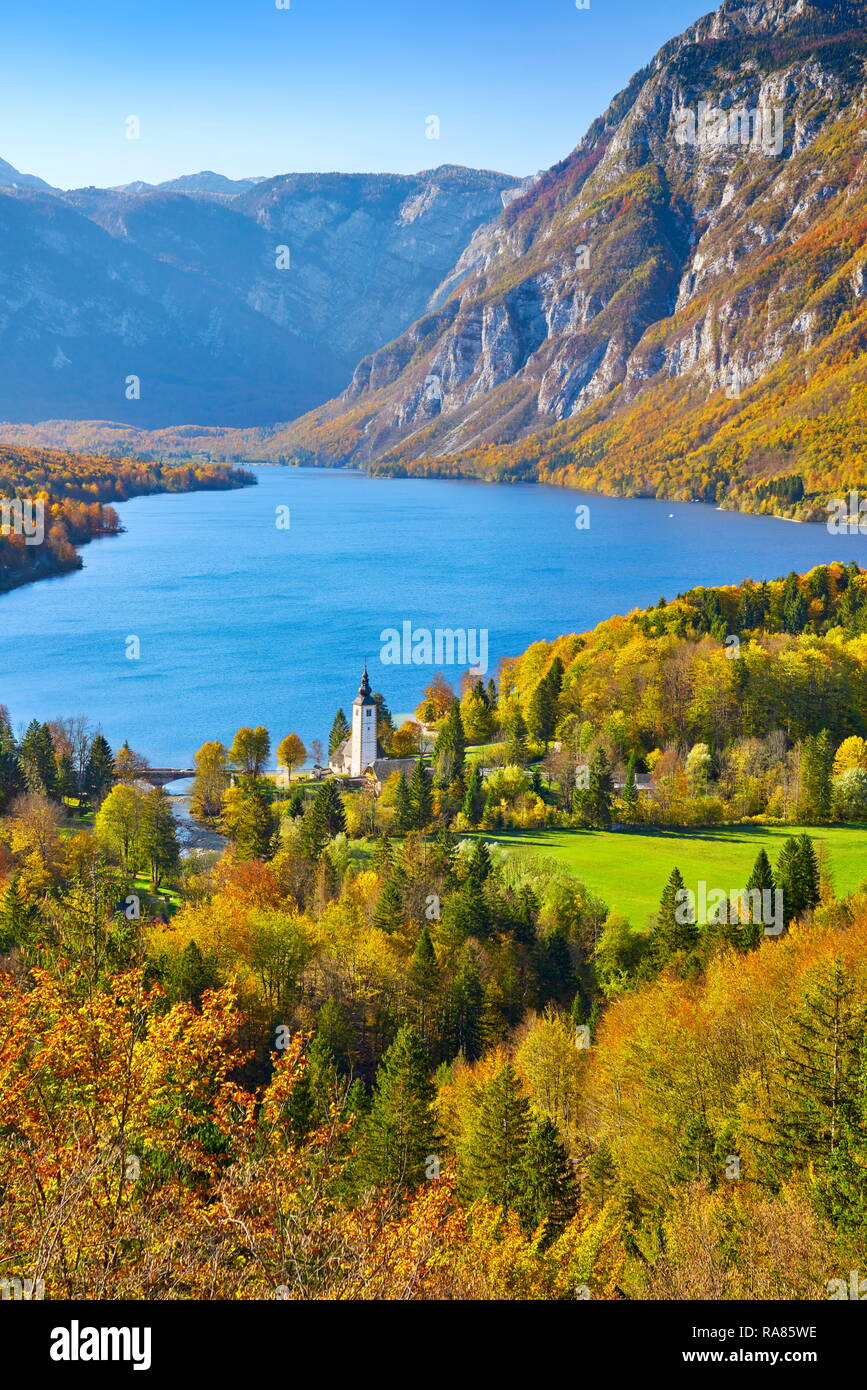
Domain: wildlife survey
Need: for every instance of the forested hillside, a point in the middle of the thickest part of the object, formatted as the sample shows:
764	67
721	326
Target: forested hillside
63	503
364	1052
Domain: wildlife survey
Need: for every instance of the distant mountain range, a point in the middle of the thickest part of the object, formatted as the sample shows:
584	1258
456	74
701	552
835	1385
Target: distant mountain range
678	308
231	302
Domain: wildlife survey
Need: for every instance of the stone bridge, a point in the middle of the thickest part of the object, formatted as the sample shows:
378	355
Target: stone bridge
159	776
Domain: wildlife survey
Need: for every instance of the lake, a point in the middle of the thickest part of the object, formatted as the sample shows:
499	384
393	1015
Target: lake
240	621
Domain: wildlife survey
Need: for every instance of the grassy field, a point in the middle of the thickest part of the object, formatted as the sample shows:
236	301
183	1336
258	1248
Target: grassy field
628	868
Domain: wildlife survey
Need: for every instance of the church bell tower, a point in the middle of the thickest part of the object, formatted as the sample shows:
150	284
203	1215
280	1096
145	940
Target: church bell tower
364	745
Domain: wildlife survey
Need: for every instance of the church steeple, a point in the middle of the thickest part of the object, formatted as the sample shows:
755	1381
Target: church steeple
364	696
363	744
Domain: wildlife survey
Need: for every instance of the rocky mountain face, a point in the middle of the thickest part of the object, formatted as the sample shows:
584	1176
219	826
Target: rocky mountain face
233	307
696	263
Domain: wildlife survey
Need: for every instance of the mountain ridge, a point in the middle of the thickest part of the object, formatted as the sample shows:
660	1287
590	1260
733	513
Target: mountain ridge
527	343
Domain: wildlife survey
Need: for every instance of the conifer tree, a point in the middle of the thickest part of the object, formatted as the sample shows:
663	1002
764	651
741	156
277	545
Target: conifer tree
420	798
334	813
515	730
674	930
818	1089
382	858
464	1005
424	979
798	877
601	1175
403	812
696	1159
158	836
761	880
36	756
450	749
193	975
250	819
474	798
596	800
339	731
99	770
19	917
816	791
388	914
494	1155
549	1196
400	1132
11	778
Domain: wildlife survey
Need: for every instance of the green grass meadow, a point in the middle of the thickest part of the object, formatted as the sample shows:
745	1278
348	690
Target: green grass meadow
628	868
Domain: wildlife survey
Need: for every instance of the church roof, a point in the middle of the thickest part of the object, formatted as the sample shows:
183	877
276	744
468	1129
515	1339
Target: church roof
364	697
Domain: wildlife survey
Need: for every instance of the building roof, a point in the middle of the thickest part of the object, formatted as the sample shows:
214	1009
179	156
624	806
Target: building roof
364	697
384	767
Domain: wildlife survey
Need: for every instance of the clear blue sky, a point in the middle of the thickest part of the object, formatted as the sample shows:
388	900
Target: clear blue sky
243	87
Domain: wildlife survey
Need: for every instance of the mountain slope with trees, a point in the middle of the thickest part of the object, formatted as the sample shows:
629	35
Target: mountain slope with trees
674	309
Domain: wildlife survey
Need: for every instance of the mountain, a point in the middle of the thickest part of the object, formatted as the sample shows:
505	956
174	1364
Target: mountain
204	182
13	178
678	307
192	293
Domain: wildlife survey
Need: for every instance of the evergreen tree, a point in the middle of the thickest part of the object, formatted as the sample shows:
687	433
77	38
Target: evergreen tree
597	798
335	812
339	731
424	979
420	797
36	757
818	1089
601	1175
463	1010
798	877
474	798
400	1132
334	1033
515	731
674	930
450	749
403	811
816	792
193	975
250	819
19	917
479	865
99	770
761	880
382	858
794	612
549	1196
495	1152
388	914
158	842
11	777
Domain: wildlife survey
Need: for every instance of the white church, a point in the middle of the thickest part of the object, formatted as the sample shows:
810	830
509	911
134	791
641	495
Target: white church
360	754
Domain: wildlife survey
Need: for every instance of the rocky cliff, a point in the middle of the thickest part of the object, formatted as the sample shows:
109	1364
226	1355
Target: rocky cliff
654	311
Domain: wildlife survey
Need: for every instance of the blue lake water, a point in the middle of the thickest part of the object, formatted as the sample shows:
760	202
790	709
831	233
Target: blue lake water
241	622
